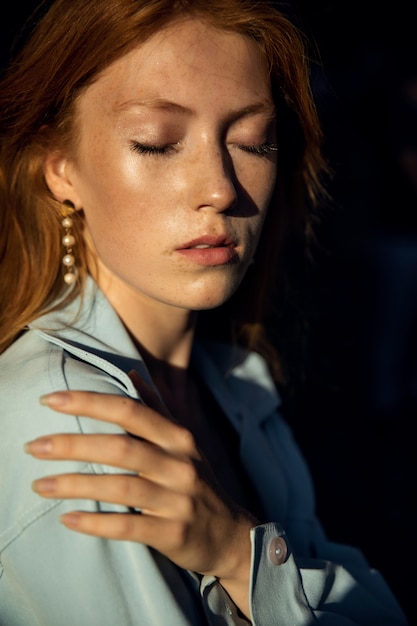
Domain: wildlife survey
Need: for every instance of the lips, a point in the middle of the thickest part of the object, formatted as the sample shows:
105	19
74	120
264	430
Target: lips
210	250
209	241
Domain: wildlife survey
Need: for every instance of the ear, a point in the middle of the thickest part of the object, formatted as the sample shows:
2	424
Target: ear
59	176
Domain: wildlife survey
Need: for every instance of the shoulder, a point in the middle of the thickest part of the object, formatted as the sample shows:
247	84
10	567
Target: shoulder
23	366
37	364
34	365
31	367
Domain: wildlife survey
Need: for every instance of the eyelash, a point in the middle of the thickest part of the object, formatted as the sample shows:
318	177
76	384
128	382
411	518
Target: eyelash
263	150
143	148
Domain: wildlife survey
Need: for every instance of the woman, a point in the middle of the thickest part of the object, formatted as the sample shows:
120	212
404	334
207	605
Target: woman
154	155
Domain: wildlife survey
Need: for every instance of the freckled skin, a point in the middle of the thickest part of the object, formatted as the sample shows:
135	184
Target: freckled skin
141	207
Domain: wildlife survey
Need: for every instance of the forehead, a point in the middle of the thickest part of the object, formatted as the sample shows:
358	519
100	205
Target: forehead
185	61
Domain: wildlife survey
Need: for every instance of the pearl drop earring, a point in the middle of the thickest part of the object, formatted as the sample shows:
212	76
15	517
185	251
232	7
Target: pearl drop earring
68	240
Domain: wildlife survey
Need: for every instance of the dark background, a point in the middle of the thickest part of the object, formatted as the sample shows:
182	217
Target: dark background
355	408
353	402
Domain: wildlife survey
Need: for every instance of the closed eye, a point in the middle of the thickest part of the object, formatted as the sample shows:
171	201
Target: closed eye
262	150
143	148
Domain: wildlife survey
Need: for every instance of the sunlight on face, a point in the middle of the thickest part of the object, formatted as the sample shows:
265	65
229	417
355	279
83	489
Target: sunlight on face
175	165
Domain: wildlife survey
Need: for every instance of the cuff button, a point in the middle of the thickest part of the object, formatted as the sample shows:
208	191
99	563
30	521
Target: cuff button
277	551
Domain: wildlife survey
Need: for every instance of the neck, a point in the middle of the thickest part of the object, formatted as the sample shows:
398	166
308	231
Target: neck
164	339
163	333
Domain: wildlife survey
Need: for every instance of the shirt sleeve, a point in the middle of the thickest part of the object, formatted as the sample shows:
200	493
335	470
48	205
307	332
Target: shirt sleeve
305	592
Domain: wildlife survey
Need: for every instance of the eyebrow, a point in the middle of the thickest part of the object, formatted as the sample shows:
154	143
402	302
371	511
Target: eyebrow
160	104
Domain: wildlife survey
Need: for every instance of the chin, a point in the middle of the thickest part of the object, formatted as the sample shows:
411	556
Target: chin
208	293
211	301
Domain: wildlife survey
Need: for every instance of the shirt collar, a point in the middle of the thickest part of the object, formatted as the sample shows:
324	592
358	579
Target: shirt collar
91	329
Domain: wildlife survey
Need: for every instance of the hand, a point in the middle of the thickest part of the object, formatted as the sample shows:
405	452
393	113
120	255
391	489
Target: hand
184	514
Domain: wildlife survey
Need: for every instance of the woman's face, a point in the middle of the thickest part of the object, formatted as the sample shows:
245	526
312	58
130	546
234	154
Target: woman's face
175	165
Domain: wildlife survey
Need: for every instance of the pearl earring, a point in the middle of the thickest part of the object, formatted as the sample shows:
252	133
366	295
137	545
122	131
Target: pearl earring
68	240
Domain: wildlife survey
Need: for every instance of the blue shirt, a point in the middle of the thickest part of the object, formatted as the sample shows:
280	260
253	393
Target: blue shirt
50	576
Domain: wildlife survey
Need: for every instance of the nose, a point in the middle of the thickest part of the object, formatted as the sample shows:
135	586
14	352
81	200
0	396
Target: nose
212	180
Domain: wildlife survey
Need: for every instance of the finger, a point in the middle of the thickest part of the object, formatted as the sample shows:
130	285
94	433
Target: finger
122	489
121	451
149	530
191	548
131	415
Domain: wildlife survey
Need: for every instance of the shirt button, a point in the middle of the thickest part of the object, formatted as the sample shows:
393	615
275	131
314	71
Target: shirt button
277	551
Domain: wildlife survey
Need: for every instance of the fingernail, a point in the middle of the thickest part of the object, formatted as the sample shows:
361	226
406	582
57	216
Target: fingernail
38	446
59	398
71	520
44	485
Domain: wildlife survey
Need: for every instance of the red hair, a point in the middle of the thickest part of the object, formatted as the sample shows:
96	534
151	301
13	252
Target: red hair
70	45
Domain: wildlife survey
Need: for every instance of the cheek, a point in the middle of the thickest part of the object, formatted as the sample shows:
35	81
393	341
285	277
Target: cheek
268	183
114	193
263	190
106	171
258	178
